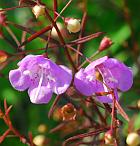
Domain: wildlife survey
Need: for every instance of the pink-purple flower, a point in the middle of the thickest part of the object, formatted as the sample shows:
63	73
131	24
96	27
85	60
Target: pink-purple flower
102	75
41	77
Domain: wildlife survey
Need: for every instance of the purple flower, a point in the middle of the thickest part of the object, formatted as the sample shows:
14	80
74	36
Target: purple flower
103	75
41	77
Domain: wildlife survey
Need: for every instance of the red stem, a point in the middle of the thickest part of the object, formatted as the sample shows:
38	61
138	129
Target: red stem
80	136
61	39
79	46
53	105
55	8
113	114
4	135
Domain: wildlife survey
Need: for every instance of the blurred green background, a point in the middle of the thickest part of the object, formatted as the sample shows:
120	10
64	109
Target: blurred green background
118	19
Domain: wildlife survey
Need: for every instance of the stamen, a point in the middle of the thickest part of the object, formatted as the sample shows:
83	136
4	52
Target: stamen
39	85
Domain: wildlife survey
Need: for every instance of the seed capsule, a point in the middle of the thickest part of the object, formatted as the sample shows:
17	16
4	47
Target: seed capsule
38	10
73	25
68	112
39	140
133	139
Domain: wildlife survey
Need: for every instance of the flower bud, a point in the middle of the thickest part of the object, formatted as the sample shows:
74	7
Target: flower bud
39	140
133	139
105	44
68	112
73	25
2	18
3	56
108	138
38	10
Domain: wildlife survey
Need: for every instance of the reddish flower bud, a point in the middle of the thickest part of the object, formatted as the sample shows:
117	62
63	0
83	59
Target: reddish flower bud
2	18
105	44
68	112
73	25
3	56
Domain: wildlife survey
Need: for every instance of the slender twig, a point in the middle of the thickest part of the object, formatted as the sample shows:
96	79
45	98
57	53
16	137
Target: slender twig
80	136
30	31
79	46
12	8
128	19
113	121
9	42
96	53
54	105
79	53
4	135
59	127
35	35
61	39
24	33
12	35
86	38
8	122
65	7
102	119
55	8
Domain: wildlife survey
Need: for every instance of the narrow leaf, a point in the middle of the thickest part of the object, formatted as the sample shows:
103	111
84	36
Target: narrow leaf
86	38
121	111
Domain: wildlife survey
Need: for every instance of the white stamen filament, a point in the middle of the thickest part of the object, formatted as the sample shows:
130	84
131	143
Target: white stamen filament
107	72
40	83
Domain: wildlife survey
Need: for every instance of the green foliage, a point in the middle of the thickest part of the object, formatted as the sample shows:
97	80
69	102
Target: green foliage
106	16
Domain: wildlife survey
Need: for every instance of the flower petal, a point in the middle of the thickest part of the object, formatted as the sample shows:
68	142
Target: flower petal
86	86
95	63
43	96
19	80
63	78
108	98
120	73
25	60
